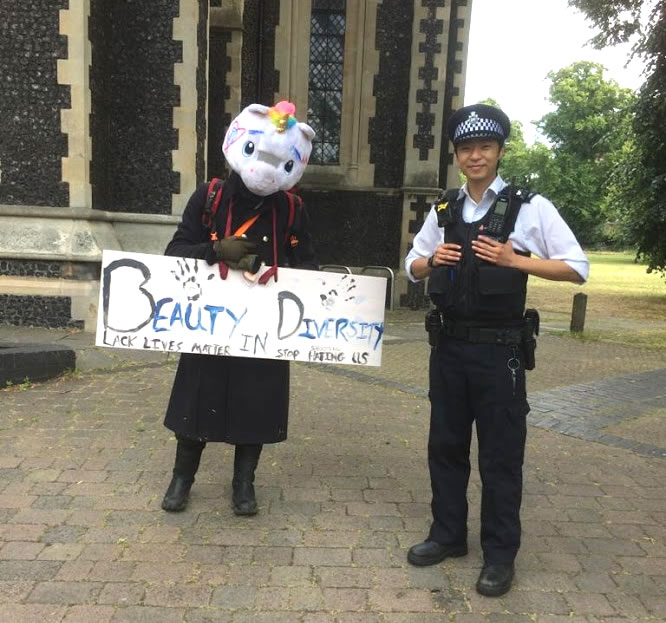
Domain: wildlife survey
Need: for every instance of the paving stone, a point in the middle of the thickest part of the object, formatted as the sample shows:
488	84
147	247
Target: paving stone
47	488
404	600
639	584
316	617
304	598
265	617
372	557
88	614
105	571
588	582
121	594
178	595
357	617
208	615
101	551
613	546
560	562
345	599
590	603
232	597
14	592
148	614
322	556
649	566
33	613
63	534
538	602
291	576
11	570
22	532
273	555
20	550
65	592
159	572
655	605
628	606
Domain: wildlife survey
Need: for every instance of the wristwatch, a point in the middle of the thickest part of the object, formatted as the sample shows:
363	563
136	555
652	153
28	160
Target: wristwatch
430	260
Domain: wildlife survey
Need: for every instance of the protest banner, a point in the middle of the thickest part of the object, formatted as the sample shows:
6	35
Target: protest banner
182	305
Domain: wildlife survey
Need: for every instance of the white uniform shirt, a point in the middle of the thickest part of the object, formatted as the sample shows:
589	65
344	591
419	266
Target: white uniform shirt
539	229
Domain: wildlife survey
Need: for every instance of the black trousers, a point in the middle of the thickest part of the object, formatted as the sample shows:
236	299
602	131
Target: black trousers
473	383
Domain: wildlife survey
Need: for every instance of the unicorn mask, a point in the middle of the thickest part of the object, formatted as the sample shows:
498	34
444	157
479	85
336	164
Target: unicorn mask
268	147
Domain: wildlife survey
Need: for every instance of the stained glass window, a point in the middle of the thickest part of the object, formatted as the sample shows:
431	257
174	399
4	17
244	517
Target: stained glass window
327	43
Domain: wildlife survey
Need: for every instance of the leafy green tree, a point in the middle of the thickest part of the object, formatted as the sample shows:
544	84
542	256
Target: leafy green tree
638	187
586	133
588	126
529	165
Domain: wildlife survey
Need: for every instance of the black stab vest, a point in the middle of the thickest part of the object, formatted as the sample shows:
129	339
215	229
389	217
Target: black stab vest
475	291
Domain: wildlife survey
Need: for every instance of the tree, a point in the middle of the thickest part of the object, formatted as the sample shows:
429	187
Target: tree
587	128
529	165
586	131
639	183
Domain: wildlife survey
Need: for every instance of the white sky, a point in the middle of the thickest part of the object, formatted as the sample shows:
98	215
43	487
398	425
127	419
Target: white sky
515	43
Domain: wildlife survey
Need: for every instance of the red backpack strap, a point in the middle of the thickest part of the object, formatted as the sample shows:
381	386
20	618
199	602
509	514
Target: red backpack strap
213	198
293	200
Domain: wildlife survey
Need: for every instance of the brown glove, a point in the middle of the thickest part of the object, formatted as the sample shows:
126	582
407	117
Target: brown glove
232	249
250	264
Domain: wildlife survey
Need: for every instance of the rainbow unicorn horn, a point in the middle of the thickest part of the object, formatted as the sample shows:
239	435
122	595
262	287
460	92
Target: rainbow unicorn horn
282	115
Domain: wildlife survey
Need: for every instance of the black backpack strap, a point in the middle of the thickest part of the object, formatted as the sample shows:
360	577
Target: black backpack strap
213	198
518	197
447	206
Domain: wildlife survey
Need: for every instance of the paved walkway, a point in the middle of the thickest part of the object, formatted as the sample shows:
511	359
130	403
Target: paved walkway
84	461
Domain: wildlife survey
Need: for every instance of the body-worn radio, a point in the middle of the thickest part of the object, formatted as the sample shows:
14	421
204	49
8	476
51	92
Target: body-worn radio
499	211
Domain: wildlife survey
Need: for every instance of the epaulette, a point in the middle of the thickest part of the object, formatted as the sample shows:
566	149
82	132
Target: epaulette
523	195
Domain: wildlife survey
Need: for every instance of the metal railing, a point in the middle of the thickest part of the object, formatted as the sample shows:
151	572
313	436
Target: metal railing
390	276
336	268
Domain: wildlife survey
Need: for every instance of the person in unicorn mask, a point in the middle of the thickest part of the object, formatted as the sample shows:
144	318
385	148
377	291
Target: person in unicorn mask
248	221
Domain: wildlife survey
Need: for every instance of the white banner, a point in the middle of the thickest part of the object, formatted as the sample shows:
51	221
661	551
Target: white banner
181	305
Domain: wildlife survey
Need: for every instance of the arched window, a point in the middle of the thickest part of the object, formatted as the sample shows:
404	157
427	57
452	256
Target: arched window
327	44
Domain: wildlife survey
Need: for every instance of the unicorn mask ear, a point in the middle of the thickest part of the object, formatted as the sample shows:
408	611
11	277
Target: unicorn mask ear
307	130
260	108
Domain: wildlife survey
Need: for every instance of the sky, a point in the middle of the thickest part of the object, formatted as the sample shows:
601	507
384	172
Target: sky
515	43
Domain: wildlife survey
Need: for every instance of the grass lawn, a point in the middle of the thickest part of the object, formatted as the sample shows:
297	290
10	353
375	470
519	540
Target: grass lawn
625	303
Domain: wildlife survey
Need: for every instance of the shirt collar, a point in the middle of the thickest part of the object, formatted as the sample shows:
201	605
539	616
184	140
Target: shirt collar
497	184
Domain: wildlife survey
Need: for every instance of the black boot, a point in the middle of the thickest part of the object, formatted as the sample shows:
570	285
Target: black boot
245	462
188	456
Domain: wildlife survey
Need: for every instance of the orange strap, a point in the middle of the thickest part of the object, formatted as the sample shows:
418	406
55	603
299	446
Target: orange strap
246	225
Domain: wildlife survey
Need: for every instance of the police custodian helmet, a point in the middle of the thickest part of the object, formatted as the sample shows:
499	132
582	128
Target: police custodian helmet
478	121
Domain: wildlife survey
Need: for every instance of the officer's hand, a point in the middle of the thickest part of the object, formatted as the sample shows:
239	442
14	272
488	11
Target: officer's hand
493	251
447	254
232	249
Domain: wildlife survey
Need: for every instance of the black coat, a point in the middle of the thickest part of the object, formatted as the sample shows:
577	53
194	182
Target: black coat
235	399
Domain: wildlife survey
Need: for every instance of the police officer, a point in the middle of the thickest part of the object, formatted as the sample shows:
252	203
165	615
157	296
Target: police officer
475	247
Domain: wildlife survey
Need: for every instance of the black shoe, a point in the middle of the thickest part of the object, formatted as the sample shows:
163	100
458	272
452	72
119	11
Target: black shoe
431	552
243	499
177	494
246	458
495	580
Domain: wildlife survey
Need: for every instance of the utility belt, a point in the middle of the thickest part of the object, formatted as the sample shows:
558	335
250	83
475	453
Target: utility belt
524	336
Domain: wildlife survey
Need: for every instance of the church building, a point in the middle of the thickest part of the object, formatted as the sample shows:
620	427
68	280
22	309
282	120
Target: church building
113	111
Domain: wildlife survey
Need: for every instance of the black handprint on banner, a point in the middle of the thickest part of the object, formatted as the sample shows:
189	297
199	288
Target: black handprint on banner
188	277
341	289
